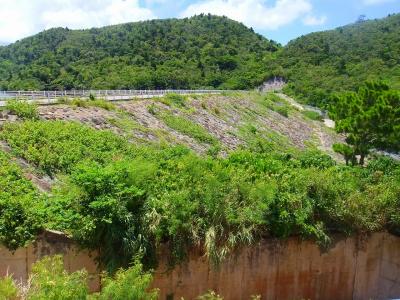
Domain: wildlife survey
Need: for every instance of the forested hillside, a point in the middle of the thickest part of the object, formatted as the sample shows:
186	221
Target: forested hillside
202	51
324	62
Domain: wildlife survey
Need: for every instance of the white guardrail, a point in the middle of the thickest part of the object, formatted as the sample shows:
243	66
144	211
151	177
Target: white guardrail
50	97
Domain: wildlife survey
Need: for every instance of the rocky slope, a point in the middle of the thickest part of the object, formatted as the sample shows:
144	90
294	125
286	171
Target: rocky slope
208	124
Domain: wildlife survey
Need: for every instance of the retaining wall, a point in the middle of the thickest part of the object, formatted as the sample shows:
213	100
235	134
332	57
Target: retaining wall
19	263
353	268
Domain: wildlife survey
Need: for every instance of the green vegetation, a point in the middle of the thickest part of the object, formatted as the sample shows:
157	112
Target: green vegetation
312	115
130	284
210	295
49	280
172	99
273	102
8	290
23	109
92	102
347	152
186	126
20	211
370	118
321	63
202	51
56	146
282	110
125	200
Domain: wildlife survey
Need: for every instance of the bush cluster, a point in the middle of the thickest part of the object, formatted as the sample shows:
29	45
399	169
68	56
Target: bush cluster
49	280
23	109
126	200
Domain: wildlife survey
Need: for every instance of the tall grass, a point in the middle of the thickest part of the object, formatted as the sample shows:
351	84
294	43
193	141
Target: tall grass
188	127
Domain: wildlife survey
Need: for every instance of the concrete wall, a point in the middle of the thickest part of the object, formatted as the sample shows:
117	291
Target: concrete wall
19	263
353	268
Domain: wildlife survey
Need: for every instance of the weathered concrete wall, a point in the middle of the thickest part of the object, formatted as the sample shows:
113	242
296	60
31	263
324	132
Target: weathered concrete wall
19	263
353	268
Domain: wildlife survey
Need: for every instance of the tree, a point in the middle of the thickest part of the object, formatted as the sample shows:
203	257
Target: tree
370	118
346	151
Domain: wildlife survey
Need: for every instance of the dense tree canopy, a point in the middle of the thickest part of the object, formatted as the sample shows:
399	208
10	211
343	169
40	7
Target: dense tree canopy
320	63
202	51
370	118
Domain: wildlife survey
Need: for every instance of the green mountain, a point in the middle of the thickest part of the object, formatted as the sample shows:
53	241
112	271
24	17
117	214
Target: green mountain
202	51
320	63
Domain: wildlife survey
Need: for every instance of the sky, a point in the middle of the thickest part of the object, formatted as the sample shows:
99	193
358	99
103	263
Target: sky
280	20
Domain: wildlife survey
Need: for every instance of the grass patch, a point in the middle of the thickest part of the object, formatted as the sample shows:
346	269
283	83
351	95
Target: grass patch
172	99
79	102
55	146
282	110
312	115
260	140
272	102
273	97
188	127
101	103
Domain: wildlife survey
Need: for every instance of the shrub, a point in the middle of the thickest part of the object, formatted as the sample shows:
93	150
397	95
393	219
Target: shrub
152	109
50	281
101	103
92	102
214	150
282	110
272	97
172	99
105	206
210	295
63	100
346	151
20	212
123	200
23	109
8	290
383	164
56	146
130	284
80	102
316	159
